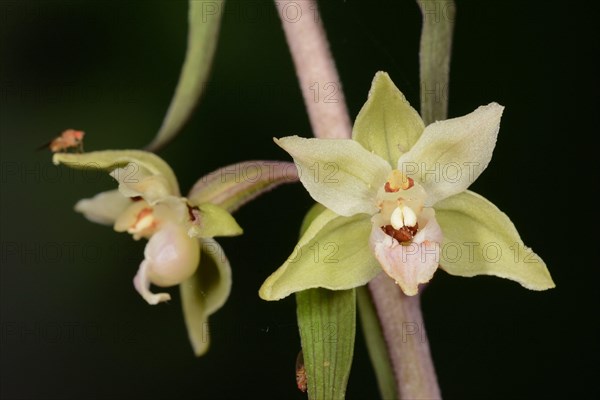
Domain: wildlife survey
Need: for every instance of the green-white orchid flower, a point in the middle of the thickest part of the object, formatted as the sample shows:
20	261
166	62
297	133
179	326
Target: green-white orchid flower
396	199
148	204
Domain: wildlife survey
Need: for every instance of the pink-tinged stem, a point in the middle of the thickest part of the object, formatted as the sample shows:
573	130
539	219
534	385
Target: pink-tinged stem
319	81
399	315
404	332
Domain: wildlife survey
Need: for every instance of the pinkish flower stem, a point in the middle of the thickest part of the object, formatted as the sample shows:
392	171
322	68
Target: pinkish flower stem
399	315
406	339
319	81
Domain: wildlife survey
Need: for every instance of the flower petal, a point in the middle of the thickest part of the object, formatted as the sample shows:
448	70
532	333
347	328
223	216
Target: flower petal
141	282
338	173
387	125
139	161
333	253
104	208
214	221
451	154
412	264
134	182
204	293
171	257
479	239
128	219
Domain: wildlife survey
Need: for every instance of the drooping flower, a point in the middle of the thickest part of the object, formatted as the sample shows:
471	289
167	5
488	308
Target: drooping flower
180	248
396	199
148	205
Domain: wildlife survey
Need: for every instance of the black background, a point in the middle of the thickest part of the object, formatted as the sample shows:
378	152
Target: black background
74	327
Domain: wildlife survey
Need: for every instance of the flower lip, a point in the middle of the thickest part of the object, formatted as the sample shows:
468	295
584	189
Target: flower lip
145	223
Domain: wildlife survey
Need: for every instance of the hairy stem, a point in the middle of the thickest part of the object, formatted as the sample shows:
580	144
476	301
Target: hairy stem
315	67
398	314
404	332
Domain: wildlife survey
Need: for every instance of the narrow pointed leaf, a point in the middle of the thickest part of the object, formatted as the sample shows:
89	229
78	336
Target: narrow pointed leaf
204	20
333	253
376	345
327	322
136	163
235	185
434	57
204	293
479	239
387	124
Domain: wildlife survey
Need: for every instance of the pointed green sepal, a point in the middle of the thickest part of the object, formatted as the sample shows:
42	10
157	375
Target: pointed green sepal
214	221
134	164
479	239
333	253
387	124
338	173
204	293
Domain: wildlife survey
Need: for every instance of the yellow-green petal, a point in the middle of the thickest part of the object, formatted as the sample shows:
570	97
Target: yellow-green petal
104	208
214	221
338	173
479	239
333	253
451	154
139	163
387	124
204	293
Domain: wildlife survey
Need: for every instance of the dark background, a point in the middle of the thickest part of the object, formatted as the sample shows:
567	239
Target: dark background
74	327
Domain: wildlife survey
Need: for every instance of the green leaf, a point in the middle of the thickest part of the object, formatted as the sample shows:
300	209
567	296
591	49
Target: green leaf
204	20
333	253
235	185
376	345
338	173
479	239
215	221
327	322
136	163
387	124
434	57
204	293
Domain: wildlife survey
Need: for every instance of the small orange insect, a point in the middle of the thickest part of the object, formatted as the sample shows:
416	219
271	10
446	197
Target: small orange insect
301	380
69	139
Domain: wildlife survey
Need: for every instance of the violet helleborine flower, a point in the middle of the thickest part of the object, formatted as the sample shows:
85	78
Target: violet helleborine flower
180	249
396	199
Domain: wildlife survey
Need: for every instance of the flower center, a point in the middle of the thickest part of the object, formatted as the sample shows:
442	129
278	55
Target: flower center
397	181
144	224
194	214
400	203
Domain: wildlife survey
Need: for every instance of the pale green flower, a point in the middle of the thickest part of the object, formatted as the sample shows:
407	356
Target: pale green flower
397	199
180	248
148	204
